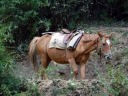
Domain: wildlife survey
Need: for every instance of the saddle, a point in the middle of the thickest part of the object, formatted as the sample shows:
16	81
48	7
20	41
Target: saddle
68	35
65	31
65	39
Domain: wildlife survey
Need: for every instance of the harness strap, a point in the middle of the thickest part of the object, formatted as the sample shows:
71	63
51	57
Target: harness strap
98	50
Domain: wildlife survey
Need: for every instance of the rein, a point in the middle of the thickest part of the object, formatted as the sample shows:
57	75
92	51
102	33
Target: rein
98	49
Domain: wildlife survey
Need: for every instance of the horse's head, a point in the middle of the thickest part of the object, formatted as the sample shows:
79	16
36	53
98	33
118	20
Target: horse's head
104	46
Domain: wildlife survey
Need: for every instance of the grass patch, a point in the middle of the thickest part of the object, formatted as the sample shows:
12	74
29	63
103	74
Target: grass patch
115	81
125	52
115	41
125	34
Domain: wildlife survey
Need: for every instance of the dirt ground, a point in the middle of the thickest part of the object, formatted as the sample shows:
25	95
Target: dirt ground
94	67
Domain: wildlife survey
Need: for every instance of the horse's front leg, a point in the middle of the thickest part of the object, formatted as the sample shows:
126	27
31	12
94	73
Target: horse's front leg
82	70
74	67
83	65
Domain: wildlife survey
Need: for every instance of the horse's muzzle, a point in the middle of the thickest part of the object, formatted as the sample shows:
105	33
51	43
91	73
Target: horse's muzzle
108	57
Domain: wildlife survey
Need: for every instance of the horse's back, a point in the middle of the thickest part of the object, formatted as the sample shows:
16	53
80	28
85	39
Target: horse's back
43	42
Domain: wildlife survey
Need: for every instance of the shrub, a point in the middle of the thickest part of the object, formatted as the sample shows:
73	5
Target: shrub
115	81
27	18
9	84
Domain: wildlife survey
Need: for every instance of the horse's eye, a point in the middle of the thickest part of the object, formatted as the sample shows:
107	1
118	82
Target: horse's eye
103	44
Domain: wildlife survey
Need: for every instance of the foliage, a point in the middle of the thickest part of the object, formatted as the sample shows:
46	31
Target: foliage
5	67
22	18
10	85
116	81
5	59
27	18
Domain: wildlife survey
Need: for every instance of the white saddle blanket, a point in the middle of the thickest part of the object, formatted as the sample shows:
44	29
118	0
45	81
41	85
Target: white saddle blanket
57	41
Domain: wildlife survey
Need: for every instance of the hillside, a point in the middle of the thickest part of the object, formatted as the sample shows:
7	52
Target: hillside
95	69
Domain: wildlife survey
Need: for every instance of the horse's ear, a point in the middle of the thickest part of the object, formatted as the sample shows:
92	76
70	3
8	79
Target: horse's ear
110	35
100	34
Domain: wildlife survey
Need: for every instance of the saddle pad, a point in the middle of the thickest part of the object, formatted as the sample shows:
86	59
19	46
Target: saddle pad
57	41
75	40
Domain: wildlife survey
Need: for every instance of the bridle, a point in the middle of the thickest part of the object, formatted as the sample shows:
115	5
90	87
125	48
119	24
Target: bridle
99	49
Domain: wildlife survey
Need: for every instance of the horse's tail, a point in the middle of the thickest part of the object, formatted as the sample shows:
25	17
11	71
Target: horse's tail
32	52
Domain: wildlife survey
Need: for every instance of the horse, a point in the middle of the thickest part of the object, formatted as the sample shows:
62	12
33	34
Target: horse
78	57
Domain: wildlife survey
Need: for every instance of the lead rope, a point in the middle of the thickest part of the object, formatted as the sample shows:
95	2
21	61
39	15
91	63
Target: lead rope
99	76
98	50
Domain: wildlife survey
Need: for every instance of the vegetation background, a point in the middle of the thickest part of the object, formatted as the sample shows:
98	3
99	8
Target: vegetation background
21	20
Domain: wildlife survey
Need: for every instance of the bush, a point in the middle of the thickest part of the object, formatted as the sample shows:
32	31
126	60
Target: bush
22	19
116	81
9	84
27	18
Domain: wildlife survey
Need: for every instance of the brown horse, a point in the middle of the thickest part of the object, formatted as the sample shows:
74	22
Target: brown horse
89	42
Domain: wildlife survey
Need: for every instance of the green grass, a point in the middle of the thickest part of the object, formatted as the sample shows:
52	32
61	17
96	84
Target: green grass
125	33
125	52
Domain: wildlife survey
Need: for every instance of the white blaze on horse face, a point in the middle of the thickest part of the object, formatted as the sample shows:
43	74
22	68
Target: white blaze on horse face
108	54
108	41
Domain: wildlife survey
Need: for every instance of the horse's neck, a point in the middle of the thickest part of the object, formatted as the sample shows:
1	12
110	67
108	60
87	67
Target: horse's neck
91	37
92	45
87	44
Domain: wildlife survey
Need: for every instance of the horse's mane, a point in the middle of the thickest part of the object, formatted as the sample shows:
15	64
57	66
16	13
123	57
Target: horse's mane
90	37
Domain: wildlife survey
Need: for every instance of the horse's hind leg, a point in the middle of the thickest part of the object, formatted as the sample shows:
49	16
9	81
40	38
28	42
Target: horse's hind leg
45	62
